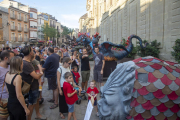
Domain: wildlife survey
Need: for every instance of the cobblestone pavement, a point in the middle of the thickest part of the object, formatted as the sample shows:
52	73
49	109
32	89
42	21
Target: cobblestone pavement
53	114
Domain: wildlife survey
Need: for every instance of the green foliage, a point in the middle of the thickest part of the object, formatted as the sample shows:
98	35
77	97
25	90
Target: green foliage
133	53
152	49
176	52
49	32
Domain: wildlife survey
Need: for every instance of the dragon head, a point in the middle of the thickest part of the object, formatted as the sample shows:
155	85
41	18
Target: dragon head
118	89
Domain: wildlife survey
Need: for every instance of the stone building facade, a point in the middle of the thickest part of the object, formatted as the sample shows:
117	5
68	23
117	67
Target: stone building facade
149	19
4	30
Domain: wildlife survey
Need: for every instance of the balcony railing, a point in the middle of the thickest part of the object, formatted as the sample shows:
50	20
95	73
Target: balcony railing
19	29
20	39
13	16
20	18
26	30
13	27
25	39
13	39
25	20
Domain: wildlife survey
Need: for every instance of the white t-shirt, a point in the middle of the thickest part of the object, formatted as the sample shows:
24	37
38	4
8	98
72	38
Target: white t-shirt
63	70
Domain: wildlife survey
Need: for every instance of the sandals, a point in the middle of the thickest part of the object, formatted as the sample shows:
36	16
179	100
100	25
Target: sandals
54	106
62	116
51	101
41	101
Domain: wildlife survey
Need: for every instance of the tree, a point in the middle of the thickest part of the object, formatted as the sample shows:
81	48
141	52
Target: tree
65	31
49	32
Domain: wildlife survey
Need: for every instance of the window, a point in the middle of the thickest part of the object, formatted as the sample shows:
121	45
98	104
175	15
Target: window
19	15
31	15
19	25
13	36
25	17
40	20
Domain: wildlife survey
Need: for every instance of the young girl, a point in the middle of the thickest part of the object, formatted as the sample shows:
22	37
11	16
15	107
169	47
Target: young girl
76	74
92	91
70	95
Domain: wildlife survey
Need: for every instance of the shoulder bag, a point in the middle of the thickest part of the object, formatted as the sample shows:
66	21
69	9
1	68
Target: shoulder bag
26	87
3	106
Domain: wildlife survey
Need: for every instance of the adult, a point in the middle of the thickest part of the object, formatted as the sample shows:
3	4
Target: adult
29	75
65	52
37	54
99	63
75	60
56	50
5	57
50	67
63	108
16	104
85	69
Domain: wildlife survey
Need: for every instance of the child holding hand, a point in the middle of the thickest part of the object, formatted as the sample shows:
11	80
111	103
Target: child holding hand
92	91
70	95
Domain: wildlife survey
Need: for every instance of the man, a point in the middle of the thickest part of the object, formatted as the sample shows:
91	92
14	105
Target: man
99	63
85	69
29	75
4	68
50	66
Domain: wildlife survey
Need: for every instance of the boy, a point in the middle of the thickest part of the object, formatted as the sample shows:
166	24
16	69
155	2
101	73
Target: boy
76	74
70	95
92	91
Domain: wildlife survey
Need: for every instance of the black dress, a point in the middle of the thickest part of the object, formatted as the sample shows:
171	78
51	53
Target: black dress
63	108
15	109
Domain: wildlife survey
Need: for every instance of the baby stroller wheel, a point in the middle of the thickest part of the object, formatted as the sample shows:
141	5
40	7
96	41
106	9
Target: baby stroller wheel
78	101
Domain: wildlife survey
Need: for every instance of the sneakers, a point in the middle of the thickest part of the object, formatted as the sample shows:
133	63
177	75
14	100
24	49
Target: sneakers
97	114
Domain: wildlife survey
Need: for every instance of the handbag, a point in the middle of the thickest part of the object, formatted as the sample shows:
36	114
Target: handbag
26	86
3	106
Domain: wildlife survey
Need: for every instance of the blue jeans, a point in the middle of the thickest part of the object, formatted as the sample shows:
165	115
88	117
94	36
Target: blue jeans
95	102
70	108
33	96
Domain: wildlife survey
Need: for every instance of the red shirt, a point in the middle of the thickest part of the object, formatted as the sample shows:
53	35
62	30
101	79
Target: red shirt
76	74
67	88
92	92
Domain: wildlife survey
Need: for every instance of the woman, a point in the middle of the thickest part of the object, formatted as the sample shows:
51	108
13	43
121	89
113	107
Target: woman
16	104
63	108
75	60
38	54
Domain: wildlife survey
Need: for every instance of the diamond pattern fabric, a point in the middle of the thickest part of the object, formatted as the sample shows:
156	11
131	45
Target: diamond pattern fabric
156	93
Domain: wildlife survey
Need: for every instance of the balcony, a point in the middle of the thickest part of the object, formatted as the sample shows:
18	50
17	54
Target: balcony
20	18
13	16
20	29
26	30
13	39
13	27
25	39
26	20
20	39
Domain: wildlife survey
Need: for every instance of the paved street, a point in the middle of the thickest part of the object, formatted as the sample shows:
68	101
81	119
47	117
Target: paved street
54	113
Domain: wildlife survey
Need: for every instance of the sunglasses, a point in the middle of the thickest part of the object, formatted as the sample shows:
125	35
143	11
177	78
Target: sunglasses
69	63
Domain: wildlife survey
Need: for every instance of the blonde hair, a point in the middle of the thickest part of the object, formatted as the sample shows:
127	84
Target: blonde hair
93	81
15	65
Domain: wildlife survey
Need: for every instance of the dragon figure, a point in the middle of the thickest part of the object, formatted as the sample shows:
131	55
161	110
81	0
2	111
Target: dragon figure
143	89
106	47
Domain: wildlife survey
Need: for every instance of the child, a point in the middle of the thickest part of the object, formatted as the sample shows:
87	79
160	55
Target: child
38	69
76	74
70	95
92	91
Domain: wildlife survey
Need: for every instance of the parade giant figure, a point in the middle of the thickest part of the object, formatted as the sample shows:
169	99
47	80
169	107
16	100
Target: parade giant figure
143	89
106	47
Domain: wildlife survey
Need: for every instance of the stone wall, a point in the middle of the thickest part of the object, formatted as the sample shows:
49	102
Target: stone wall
149	19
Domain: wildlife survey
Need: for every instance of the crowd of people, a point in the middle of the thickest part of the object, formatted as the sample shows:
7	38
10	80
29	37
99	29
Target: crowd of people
26	68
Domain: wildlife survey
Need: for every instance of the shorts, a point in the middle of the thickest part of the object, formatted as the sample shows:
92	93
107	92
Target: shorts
85	75
95	102
52	83
98	76
33	96
70	108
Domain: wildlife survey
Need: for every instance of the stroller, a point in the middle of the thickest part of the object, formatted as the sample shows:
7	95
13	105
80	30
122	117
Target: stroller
83	94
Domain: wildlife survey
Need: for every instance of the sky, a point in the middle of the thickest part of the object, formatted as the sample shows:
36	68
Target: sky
67	12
